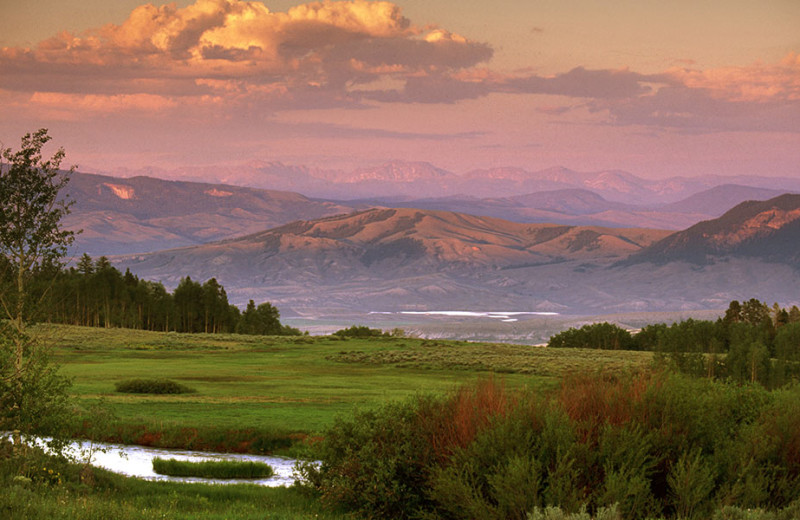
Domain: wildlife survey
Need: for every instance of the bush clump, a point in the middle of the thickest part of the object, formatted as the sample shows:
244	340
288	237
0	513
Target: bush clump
152	386
359	331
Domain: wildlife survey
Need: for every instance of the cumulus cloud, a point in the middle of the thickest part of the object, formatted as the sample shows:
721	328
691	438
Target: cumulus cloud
238	55
319	49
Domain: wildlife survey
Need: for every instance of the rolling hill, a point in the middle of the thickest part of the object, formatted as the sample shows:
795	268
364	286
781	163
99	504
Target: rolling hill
764	230
383	256
410	259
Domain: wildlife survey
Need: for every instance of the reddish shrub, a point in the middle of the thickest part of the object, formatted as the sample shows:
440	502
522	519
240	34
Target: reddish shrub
454	422
594	400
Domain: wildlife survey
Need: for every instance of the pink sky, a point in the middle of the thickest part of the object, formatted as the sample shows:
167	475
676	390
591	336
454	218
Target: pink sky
654	88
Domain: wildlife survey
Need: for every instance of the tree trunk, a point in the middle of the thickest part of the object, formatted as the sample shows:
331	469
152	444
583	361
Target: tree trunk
19	344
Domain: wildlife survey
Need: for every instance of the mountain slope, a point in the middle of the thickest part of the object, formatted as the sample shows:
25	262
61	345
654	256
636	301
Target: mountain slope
767	230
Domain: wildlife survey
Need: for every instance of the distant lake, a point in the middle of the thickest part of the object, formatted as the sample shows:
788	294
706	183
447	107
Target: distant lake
506	316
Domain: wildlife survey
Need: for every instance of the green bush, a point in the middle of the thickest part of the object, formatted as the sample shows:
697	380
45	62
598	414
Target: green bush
376	464
152	386
359	331
604	336
691	481
221	469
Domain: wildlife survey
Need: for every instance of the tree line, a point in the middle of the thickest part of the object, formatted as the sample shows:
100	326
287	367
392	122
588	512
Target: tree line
753	342
94	293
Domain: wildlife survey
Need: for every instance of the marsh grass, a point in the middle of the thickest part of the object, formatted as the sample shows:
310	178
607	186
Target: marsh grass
221	469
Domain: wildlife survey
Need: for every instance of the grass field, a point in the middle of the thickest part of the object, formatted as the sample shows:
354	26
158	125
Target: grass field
249	388
292	384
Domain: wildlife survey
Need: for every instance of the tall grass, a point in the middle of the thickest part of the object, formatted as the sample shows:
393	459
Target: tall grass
221	469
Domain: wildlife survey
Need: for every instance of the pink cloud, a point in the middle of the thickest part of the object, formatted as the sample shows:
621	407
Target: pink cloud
102	103
166	51
757	83
756	98
238	58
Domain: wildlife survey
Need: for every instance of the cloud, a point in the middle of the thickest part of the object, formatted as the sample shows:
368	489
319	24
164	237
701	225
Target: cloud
236	58
336	131
101	103
279	59
698	110
755	98
580	82
757	83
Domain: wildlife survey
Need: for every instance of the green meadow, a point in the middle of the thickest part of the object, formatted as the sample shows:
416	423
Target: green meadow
249	393
285	386
409	427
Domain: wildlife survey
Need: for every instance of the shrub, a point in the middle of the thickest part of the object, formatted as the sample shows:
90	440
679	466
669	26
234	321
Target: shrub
359	331
152	386
625	455
497	476
555	513
376	464
691	481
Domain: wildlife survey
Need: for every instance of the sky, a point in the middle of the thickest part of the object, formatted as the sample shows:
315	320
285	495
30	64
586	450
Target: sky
658	89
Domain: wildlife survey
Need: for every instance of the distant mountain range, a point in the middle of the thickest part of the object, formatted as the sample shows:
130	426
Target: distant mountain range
142	214
411	259
403	180
385	257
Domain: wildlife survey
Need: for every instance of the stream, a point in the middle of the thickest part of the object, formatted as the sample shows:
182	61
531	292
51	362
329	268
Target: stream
137	461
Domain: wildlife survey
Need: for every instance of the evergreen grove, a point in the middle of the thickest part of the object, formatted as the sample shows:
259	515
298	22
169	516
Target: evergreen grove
752	343
96	294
